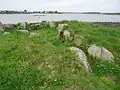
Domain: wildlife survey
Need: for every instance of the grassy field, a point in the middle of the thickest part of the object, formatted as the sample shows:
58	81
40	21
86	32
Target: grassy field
45	63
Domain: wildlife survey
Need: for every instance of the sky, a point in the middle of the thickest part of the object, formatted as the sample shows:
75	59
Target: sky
62	5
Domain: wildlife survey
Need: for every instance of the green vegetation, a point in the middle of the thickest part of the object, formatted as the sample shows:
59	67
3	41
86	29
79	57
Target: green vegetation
45	63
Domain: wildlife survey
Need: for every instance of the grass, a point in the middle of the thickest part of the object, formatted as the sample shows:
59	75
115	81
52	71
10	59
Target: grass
45	63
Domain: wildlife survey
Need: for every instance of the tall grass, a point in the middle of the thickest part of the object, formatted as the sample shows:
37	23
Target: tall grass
45	63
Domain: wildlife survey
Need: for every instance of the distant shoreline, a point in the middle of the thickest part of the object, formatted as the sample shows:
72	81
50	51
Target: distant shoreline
63	13
54	12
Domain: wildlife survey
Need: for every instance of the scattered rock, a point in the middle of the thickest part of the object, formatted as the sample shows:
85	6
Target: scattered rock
100	53
82	57
23	25
61	26
34	34
34	26
23	31
60	35
44	24
6	33
66	34
1	25
1	30
8	26
51	24
60	31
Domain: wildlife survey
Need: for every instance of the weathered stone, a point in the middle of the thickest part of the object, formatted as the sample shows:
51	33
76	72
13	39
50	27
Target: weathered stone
94	51
61	26
44	24
1	25
106	55
82	57
66	34
51	24
1	30
23	31
34	34
6	33
8	26
100	53
60	31
23	25
34	26
60	35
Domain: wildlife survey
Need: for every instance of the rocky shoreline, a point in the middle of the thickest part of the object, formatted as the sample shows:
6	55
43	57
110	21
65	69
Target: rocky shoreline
36	25
109	24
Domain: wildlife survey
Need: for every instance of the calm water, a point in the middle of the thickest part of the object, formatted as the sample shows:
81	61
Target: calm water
16	18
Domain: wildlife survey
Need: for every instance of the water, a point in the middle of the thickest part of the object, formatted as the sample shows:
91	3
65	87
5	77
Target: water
16	18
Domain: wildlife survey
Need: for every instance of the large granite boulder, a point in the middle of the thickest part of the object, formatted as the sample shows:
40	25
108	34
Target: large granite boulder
100	53
82	57
94	51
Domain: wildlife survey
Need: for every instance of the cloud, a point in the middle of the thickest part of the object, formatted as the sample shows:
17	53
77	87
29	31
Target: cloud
62	5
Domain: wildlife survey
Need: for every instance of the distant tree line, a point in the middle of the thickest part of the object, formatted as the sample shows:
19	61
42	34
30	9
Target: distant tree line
51	12
100	13
27	12
112	13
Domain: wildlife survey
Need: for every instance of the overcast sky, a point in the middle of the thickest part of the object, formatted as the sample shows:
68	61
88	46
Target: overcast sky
62	5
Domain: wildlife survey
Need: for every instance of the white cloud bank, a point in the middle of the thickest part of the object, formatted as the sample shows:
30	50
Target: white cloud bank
62	5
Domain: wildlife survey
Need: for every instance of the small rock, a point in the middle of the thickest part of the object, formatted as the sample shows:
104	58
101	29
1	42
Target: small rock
23	31
51	24
60	30
6	33
8	26
44	24
61	26
1	30
23	25
34	34
66	34
82	57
